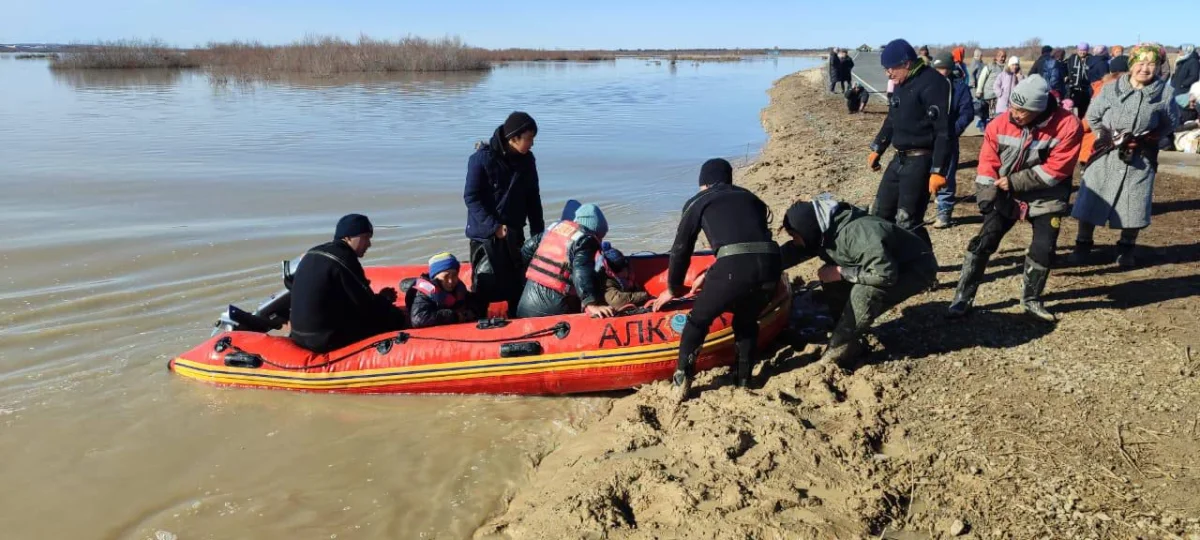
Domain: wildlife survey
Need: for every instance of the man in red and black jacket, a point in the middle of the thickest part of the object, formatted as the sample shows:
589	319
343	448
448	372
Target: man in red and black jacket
1025	168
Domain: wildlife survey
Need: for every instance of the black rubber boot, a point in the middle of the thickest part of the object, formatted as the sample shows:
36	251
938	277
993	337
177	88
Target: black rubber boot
1125	258
682	379
745	364
968	284
1081	255
1035	283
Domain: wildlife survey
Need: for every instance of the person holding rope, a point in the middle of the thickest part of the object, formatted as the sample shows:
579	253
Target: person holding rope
918	125
742	279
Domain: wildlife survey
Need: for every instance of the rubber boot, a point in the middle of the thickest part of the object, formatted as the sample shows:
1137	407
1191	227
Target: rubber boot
1125	258
844	345
968	284
1081	254
682	379
745	364
1035	283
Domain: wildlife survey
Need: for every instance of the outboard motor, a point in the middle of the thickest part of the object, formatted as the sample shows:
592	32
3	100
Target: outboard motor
270	315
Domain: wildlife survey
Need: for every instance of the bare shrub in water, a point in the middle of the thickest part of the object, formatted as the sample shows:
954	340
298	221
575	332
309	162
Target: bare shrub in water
325	55
126	54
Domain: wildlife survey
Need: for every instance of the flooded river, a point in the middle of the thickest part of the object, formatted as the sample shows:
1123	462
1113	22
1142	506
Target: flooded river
137	204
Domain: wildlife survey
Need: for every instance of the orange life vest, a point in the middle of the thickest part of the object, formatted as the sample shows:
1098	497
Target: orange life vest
444	299
551	264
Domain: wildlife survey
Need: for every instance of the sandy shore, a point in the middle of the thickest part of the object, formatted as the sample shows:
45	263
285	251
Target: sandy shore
995	427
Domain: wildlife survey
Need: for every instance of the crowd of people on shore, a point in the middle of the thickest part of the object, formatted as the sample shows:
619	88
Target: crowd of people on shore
873	258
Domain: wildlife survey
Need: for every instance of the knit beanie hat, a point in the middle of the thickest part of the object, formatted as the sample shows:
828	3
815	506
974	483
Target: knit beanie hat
897	52
518	123
716	171
801	218
1119	64
958	53
352	225
614	257
442	262
591	218
1031	94
1014	60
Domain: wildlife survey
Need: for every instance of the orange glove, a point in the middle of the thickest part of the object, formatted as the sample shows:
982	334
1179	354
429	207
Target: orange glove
873	161
936	182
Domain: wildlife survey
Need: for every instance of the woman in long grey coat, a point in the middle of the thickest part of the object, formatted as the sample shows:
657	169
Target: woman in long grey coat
1118	186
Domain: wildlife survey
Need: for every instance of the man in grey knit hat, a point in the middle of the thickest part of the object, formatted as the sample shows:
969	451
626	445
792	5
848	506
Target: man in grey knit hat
1025	168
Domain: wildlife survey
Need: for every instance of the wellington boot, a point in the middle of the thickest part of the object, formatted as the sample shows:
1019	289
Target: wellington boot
681	386
1031	297
745	364
968	284
845	346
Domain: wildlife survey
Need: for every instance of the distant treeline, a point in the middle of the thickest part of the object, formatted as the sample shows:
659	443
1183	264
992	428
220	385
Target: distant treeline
321	55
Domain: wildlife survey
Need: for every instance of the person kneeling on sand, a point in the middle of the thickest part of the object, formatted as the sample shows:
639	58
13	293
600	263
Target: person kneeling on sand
561	271
856	99
439	297
871	265
333	304
620	287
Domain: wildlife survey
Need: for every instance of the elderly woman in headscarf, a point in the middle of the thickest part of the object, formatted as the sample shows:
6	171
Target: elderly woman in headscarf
1135	117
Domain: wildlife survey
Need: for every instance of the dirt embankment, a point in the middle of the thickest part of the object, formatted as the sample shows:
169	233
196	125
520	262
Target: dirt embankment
992	427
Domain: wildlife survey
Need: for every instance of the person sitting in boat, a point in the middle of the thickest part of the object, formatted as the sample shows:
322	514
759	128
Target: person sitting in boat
561	272
871	265
620	289
333	304
439	297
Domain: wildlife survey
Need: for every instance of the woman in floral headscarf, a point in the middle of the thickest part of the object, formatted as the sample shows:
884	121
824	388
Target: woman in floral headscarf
1118	185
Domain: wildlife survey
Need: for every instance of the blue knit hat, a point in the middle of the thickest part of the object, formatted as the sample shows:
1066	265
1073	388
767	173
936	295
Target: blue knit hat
616	259
441	262
591	218
352	225
897	52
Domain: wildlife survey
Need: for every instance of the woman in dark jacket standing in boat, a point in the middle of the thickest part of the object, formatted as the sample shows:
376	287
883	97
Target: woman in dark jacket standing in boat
502	195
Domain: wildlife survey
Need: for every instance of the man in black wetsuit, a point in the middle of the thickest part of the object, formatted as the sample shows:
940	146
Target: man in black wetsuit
741	280
333	304
918	124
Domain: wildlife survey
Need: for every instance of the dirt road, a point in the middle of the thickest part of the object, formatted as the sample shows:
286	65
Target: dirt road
992	427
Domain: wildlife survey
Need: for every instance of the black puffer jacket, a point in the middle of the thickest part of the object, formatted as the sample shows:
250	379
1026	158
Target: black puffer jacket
539	301
332	301
844	68
502	189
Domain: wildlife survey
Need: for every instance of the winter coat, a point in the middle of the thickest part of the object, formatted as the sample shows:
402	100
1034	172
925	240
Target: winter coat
1097	67
1089	136
909	124
616	296
1054	71
502	189
870	250
1114	192
844	68
424	310
962	107
1003	87
537	300
961	72
333	304
1077	74
976	68
1187	72
1038	160
985	84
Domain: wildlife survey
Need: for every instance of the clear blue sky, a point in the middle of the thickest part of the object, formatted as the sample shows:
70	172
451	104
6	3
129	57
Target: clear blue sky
595	24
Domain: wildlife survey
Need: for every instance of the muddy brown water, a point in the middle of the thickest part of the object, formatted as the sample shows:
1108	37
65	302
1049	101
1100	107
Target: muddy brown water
136	204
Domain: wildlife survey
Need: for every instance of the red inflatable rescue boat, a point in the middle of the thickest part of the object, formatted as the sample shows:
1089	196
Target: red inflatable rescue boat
546	355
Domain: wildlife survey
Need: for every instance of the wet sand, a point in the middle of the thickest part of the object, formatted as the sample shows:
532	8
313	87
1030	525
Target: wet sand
994	427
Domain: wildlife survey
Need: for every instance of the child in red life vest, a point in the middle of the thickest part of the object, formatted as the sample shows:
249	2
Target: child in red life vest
439	297
620	288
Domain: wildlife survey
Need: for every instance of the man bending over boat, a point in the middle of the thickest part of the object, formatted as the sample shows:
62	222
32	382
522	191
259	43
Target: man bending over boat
871	265
332	301
439	297
742	279
561	273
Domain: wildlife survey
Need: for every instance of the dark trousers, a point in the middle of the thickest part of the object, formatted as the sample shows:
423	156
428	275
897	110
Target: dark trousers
1082	98
996	225
857	306
496	269
903	193
723	292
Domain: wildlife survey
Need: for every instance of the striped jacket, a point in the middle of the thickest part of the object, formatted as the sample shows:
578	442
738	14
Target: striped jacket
1038	159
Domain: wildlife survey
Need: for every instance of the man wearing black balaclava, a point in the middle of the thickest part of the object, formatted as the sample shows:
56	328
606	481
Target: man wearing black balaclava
871	265
742	279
